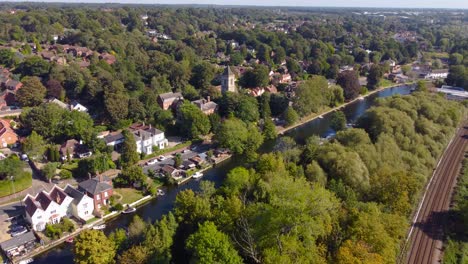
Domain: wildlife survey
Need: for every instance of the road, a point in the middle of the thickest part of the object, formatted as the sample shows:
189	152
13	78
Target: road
426	233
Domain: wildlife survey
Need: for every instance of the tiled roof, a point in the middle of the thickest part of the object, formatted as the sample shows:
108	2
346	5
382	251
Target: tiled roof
17	241
171	95
74	193
94	186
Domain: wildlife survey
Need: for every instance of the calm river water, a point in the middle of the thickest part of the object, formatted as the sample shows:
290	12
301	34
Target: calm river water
154	209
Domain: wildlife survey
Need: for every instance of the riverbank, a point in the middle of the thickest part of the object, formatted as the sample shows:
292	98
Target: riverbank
312	117
156	208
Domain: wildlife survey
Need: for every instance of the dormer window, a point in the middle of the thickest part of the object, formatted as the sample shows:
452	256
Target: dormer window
98	197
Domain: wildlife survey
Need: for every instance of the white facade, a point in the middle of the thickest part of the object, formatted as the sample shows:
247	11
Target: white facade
82	206
47	208
437	75
83	209
145	144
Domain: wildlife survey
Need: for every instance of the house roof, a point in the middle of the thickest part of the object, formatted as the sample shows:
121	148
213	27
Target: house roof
71	145
94	186
169	169
74	193
18	241
57	195
114	136
31	205
59	103
44	200
170	95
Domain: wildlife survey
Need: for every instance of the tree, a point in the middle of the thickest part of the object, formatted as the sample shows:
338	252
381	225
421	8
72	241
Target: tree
134	255
34	66
338	121
116	101
239	137
256	77
455	59
55	89
352	252
34	146
349	81
129	150
247	109
421	86
202	75
32	93
458	76
209	245
93	247
311	96
290	116
49	170
269	129
374	77
136	230
191	121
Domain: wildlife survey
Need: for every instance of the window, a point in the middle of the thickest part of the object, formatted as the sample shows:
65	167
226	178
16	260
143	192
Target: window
53	212
39	217
105	194
98	197
85	205
86	213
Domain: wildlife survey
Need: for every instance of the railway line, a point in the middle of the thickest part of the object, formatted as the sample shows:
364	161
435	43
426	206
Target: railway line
426	233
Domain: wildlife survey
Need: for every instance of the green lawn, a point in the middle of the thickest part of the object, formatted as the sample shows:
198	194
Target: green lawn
129	195
22	182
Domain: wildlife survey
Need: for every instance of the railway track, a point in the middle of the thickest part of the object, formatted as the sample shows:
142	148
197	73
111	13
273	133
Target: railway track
426	233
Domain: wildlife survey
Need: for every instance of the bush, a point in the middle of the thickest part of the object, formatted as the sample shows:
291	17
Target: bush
118	207
67	225
53	231
65	174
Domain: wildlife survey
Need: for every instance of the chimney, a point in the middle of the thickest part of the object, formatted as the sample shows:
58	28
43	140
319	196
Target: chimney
208	98
101	179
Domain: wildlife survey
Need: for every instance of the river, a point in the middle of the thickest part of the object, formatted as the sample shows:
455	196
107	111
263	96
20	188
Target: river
154	209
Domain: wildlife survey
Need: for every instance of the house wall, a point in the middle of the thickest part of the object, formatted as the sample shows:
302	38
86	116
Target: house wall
101	199
85	208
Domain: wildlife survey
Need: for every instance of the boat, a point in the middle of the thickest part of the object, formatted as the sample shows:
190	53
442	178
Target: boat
320	116
360	98
99	227
197	175
26	261
129	210
160	192
69	240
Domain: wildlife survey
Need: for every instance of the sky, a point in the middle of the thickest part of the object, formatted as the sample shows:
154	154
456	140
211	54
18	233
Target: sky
455	4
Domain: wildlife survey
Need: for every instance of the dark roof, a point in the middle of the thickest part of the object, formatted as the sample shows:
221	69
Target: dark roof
43	199
228	71
94	186
116	136
18	241
168	169
31	206
74	193
170	95
57	195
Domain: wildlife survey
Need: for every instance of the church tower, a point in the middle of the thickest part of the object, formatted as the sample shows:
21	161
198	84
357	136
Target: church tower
228	81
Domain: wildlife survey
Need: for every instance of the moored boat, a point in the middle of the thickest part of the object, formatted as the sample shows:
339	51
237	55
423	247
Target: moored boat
99	227
197	175
129	210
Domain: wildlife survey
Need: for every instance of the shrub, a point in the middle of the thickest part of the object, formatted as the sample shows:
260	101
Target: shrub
52	231
118	207
65	174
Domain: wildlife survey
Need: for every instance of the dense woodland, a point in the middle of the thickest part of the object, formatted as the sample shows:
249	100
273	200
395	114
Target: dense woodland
344	201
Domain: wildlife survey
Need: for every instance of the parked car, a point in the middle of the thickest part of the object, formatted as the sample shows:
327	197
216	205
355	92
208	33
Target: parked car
161	158
185	150
21	231
151	162
15	228
24	157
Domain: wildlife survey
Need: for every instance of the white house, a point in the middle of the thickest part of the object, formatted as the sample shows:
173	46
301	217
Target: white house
78	107
47	207
147	137
82	206
437	74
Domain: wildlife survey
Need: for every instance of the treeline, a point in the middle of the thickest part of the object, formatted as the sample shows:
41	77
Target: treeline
343	201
